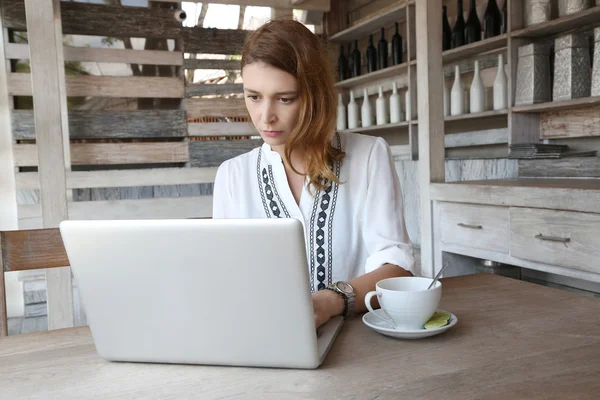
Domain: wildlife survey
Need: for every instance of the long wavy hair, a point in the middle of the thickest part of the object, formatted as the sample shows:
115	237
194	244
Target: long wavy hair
290	46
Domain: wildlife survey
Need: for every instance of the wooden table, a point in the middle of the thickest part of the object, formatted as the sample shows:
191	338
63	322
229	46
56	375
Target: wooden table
513	340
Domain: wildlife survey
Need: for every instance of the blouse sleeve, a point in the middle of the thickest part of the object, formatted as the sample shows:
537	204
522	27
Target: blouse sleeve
384	229
222	199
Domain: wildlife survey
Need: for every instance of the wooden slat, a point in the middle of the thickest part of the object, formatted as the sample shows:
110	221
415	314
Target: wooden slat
213	41
208	89
168	207
312	5
100	19
213	153
583	122
107	86
568	167
222	129
216	107
580	20
582	102
99	124
124	178
477	138
50	99
194	63
15	51
32	249
111	153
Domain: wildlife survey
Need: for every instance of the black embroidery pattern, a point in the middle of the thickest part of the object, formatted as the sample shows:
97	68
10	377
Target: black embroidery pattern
324	200
267	188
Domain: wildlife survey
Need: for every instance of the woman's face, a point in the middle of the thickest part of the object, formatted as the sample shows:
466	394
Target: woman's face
273	102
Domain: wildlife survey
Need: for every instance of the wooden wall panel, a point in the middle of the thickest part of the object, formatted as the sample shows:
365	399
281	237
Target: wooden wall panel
32	249
111	153
562	168
583	122
211	89
213	153
194	63
314	5
19	84
92	124
99	19
222	129
15	51
213	41
215	107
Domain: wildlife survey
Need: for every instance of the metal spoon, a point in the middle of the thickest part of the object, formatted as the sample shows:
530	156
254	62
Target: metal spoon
438	275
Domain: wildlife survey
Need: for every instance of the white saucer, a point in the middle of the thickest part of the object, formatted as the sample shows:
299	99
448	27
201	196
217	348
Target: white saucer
386	329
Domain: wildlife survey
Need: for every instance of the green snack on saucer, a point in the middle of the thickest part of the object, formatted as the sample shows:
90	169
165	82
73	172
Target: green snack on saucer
437	320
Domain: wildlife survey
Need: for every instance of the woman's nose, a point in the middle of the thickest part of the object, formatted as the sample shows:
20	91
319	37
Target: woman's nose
268	113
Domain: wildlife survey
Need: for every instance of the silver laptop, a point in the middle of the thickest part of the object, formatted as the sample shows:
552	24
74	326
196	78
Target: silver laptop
213	292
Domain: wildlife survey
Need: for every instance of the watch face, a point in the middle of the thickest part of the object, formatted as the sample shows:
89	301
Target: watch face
344	287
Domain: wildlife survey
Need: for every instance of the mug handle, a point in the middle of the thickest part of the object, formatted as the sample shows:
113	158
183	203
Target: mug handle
368	298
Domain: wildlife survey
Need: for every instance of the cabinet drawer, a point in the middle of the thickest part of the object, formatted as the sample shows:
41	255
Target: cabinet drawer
481	227
563	238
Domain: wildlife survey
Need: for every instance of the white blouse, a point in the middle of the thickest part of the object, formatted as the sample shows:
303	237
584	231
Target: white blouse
350	228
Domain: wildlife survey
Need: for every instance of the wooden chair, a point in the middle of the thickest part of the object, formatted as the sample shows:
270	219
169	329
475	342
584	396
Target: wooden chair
22	250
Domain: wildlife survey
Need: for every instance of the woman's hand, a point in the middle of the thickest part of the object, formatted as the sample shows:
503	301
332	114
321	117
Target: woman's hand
326	304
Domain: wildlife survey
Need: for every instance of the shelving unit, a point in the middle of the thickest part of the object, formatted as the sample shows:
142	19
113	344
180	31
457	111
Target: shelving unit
481	47
373	77
476	116
579	21
380	128
558	105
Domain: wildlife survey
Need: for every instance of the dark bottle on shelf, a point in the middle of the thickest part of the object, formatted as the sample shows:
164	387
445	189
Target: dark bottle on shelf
446	30
397	47
382	50
342	65
356	60
350	64
472	26
492	20
458	32
504	26
371	56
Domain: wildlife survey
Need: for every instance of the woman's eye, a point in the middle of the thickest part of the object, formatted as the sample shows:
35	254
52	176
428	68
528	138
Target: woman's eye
285	100
253	97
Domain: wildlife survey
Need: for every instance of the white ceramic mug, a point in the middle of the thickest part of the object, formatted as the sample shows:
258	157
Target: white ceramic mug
406	301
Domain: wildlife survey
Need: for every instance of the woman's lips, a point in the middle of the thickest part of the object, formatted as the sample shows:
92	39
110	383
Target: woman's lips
272	133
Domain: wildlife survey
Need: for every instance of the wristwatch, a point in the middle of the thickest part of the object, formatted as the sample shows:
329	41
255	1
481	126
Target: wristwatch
345	290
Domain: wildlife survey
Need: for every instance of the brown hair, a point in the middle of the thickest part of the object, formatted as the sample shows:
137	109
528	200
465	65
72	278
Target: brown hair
290	46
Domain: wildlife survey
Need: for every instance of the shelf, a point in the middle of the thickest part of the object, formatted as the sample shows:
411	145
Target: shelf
360	30
481	115
474	49
375	76
540	183
378	128
578	21
558	105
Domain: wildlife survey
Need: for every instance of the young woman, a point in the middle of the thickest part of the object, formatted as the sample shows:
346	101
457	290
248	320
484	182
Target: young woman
342	186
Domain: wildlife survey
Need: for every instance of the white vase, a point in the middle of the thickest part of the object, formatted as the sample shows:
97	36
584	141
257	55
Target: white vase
366	111
500	86
446	99
341	114
395	106
381	108
457	96
407	105
352	112
477	92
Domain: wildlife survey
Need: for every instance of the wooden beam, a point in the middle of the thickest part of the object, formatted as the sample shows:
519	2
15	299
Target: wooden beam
49	99
563	168
431	120
16	51
99	124
311	5
160	208
213	153
107	86
215	107
213	41
111	153
125	178
583	122
202	89
32	249
101	19
477	138
222	129
194	63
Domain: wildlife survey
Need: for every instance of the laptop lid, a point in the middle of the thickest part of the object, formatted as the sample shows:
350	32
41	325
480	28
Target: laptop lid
215	291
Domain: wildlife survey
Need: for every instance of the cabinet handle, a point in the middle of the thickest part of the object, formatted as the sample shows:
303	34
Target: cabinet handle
553	238
470	226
